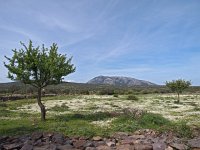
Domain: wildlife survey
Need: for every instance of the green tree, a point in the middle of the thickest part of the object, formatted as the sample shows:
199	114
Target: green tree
39	67
178	86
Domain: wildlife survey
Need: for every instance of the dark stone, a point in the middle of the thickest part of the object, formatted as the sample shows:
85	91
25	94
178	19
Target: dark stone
79	143
1	146
194	143
65	147
45	147
68	141
38	143
12	146
58	138
3	139
99	143
27	147
36	135
52	147
89	144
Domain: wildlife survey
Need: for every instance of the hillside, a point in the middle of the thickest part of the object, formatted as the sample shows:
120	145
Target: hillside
119	81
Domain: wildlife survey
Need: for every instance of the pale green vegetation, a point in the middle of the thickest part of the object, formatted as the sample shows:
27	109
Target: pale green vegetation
90	115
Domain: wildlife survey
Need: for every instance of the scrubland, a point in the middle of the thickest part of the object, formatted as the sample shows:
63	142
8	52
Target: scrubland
89	115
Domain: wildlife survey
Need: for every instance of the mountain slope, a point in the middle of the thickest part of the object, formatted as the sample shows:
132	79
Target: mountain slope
119	81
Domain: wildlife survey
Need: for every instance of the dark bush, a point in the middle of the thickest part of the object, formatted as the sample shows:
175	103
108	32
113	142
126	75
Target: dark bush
115	95
132	97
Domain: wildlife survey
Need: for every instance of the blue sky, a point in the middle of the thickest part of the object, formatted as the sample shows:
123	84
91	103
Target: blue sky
155	40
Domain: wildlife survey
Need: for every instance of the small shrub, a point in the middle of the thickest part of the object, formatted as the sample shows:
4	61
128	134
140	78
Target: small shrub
183	129
153	120
132	97
115	95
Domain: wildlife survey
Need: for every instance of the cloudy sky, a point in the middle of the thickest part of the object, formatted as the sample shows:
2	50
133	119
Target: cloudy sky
155	40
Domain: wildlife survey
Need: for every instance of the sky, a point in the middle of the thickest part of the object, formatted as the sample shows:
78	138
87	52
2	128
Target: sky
154	40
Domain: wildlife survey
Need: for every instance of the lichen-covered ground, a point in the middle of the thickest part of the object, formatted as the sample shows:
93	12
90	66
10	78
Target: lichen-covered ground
188	109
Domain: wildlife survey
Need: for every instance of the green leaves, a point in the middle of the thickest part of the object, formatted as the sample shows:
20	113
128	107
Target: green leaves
38	66
178	86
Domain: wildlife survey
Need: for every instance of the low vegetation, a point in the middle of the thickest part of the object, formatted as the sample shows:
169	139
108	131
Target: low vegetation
89	115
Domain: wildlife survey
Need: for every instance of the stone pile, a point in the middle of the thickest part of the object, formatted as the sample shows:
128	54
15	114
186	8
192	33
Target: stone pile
139	140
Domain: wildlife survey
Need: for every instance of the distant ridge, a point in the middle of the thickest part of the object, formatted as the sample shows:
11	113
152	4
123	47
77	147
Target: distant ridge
119	81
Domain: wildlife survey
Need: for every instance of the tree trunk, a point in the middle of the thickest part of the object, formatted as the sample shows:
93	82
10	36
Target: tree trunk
42	107
178	98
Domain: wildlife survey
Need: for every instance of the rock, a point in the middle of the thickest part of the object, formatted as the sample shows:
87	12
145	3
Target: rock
99	143
120	135
83	138
52	147
159	146
194	143
179	146
68	141
169	148
44	147
58	138
111	144
127	141
90	148
65	147
38	143
79	143
138	132
27	147
47	134
103	148
36	135
137	136
89	144
97	138
136	141
125	147
3	139
12	146
143	147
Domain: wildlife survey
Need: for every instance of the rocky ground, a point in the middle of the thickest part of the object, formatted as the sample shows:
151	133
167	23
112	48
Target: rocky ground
140	140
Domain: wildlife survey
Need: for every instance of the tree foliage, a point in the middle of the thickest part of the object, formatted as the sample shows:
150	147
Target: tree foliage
39	67
178	86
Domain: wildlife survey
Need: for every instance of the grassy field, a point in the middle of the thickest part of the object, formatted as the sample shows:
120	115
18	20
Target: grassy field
90	115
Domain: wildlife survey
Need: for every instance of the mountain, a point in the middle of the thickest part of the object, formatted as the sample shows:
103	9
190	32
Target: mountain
119	81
